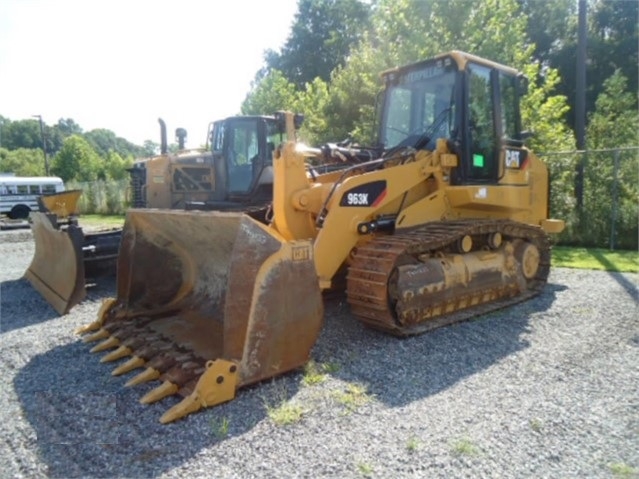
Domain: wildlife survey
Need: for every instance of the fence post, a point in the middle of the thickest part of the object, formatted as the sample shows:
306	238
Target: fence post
613	220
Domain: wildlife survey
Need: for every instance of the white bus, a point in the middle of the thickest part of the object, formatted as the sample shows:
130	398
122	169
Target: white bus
19	194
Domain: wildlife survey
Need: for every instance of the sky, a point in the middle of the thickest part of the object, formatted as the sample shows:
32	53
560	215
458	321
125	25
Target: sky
122	64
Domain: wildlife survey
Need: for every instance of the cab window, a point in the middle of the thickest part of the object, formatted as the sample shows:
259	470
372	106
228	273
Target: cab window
508	96
483	145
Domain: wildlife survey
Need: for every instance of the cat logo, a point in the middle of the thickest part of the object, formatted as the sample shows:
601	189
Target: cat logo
301	253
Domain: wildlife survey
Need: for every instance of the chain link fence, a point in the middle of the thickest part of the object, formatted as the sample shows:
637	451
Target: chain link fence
103	197
606	217
605	213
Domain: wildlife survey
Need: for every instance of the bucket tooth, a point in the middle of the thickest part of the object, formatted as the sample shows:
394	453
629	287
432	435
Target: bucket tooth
167	388
121	352
149	374
97	324
101	334
216	385
112	342
133	363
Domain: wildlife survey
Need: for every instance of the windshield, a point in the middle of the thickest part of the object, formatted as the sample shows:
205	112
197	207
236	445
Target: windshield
419	106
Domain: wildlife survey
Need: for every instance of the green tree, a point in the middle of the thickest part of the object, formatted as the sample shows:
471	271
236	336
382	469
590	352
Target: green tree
476	27
612	43
22	161
115	167
614	124
21	134
312	102
615	33
550	25
615	121
56	134
103	141
270	94
3	122
27	134
321	38
150	148
77	160
68	127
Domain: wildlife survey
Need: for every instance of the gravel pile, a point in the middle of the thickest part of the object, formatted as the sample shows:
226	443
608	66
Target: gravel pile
548	388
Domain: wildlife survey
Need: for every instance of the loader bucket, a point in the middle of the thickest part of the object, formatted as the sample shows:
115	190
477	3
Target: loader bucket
208	302
57	269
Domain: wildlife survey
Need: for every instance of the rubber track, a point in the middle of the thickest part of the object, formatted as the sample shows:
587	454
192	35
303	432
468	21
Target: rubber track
370	273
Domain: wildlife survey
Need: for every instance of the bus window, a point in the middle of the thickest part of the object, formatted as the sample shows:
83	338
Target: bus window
19	195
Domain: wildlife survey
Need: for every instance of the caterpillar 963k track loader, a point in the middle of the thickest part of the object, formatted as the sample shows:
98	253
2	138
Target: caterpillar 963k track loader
236	174
449	222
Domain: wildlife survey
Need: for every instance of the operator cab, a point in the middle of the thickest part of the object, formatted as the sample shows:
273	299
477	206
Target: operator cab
243	157
470	102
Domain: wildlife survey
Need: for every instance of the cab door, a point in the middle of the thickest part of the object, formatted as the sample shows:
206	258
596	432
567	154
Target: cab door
493	142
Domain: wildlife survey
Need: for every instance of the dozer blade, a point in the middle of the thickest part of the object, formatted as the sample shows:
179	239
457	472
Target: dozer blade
57	269
63	204
65	257
208	302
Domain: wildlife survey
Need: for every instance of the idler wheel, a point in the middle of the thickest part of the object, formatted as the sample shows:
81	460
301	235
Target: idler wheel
528	256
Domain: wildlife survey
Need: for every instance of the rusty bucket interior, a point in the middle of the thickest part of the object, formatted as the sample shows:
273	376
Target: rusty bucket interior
199	292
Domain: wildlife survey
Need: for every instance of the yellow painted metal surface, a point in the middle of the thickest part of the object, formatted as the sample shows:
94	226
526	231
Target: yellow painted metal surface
57	270
63	204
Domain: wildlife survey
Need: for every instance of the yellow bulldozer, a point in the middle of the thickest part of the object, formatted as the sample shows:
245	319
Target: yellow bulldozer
448	222
234	174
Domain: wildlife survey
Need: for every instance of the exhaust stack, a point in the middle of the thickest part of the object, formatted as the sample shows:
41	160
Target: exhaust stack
164	148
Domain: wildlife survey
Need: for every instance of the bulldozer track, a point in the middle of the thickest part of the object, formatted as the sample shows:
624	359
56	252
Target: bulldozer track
371	280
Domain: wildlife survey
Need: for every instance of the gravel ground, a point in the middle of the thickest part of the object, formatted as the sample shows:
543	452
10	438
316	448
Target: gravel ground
548	388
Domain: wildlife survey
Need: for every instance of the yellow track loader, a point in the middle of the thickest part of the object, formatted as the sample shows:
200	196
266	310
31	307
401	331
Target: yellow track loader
448	222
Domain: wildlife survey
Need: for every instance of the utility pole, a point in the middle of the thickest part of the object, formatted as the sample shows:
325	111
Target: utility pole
44	145
580	104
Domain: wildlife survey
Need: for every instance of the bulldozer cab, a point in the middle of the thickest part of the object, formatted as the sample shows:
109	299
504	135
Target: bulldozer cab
233	171
243	157
470	102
